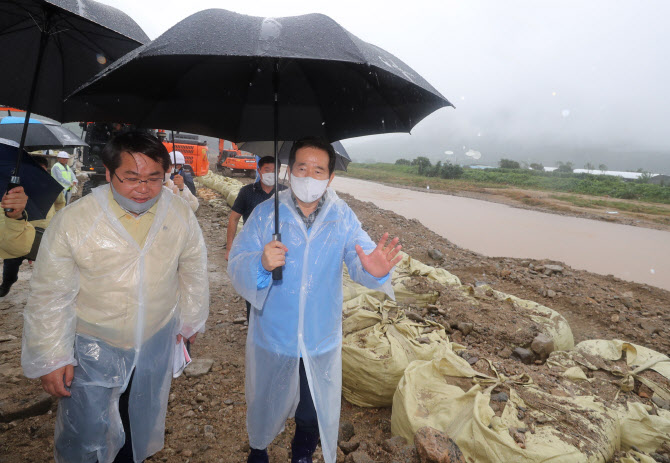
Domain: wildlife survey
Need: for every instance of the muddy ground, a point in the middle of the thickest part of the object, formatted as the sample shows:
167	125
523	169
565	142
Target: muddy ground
206	415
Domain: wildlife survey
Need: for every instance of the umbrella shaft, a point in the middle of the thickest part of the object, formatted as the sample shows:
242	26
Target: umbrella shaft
44	38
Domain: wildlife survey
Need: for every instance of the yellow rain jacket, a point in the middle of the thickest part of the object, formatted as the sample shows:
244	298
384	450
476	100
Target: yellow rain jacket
16	237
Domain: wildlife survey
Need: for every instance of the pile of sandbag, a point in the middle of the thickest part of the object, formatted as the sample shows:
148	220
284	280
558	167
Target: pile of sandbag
379	341
593	410
228	187
381	337
534	426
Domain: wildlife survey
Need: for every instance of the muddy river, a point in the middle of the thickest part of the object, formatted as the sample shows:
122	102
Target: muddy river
631	253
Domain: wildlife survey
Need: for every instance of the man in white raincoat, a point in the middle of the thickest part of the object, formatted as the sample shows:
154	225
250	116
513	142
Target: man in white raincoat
120	276
293	352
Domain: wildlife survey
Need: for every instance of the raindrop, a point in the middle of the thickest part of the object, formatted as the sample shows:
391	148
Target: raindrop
479	134
463	98
553	93
427	187
101	58
565	113
652	271
323	123
448	153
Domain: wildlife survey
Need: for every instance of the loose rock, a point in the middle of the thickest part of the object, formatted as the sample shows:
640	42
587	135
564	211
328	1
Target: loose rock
198	367
525	355
542	345
435	254
435	446
346	431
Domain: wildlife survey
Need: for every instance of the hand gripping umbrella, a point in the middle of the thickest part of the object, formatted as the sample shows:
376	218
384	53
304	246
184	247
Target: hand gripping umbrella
50	47
246	78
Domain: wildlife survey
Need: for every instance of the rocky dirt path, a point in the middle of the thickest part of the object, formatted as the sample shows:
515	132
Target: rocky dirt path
206	415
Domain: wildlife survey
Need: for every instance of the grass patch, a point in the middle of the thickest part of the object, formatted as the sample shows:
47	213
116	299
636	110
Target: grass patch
613	205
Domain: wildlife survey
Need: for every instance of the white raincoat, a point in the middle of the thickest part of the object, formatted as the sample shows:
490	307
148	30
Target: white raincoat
109	306
299	316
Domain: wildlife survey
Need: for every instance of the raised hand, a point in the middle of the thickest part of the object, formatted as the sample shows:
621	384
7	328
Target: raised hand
382	259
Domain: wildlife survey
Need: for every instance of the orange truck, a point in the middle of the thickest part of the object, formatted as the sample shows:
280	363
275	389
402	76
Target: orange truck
231	160
195	151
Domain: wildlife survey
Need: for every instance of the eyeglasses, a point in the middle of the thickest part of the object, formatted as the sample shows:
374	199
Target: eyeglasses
134	182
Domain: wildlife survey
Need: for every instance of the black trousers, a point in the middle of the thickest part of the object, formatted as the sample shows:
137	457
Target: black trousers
305	414
10	270
125	455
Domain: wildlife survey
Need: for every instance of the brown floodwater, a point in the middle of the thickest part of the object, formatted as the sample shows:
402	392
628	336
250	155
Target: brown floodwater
631	253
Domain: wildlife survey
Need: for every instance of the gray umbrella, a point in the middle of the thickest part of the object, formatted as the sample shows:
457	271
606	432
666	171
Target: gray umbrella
41	134
266	148
49	47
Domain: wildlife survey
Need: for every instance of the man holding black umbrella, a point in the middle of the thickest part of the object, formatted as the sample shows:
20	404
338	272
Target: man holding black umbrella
293	355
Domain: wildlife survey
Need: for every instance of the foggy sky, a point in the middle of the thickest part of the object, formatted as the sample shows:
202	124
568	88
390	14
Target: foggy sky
531	80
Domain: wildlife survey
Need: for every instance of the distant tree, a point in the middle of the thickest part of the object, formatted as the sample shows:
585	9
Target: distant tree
589	167
565	167
602	167
537	166
509	164
450	170
423	163
403	162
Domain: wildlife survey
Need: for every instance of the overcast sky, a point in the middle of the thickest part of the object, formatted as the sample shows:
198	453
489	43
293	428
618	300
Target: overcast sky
553	73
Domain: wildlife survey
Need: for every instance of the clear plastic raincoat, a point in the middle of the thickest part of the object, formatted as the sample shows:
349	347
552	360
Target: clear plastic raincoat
112	307
299	316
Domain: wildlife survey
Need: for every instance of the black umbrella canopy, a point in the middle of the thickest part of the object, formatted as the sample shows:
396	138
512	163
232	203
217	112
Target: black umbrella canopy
212	74
42	189
81	37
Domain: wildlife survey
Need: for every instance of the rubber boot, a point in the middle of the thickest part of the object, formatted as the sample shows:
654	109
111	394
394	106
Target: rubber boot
303	446
258	456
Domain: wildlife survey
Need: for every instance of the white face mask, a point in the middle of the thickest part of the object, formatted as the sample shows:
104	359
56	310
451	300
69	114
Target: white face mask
268	178
308	189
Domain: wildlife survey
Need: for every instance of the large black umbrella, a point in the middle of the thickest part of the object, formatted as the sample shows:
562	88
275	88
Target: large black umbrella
42	189
266	148
41	134
246	78
50	47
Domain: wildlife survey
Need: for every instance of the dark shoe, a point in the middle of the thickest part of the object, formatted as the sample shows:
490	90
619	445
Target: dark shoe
4	289
303	446
258	456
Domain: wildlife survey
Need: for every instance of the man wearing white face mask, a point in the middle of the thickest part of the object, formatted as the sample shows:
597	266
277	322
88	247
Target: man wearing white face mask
294	342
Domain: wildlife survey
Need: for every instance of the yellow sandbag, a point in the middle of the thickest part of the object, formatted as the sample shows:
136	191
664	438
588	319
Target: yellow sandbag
404	286
574	430
550	322
640	429
232	196
591	354
379	341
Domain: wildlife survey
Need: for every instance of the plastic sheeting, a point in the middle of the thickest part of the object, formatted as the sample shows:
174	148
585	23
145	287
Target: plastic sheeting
91	279
434	393
299	316
379	342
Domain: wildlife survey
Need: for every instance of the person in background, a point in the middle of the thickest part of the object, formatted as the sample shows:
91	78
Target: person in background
16	233
249	197
294	342
178	161
120	277
175	183
64	174
10	267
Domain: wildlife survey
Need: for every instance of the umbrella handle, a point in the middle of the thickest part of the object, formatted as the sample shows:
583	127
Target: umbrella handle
13	183
277	273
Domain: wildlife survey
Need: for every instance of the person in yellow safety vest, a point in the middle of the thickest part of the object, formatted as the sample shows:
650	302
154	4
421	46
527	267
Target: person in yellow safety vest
64	174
